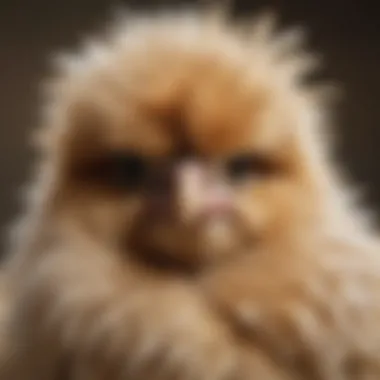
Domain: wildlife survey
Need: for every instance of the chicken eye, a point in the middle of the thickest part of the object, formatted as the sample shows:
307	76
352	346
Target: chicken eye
248	166
127	171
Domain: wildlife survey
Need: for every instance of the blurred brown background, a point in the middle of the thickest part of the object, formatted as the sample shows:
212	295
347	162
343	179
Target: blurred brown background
347	32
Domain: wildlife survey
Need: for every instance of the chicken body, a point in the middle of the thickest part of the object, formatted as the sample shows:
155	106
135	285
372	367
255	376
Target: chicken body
186	222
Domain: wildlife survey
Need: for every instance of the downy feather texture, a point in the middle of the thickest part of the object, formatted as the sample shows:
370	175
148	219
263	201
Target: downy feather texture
104	286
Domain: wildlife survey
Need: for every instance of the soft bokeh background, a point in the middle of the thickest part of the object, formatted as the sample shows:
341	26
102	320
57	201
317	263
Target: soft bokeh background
347	32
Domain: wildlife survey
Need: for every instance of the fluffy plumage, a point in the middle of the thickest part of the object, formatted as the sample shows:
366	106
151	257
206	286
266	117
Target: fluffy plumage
124	274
